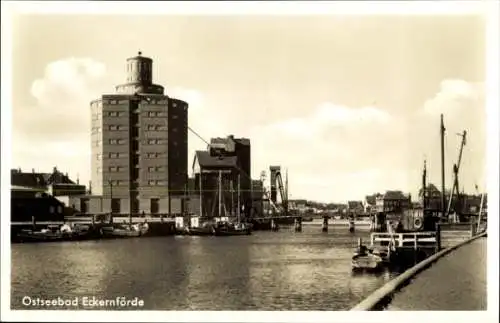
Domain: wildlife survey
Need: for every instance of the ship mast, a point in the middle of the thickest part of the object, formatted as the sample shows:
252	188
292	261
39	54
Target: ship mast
443	198
220	193
239	207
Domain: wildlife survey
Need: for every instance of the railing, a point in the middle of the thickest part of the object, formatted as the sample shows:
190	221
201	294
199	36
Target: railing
404	239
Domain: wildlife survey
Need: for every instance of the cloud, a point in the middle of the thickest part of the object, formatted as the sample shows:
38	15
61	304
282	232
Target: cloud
462	104
55	130
332	152
338	153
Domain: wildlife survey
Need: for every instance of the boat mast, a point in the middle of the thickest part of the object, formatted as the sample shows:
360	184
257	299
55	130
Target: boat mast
443	198
424	186
220	195
239	207
232	197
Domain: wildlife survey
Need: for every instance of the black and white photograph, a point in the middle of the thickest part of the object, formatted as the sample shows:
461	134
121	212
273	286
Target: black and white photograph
272	161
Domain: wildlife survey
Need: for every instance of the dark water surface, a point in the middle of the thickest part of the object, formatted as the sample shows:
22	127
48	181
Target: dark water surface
264	271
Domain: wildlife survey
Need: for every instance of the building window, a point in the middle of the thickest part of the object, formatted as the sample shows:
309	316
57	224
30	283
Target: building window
151	127
112	169
121	141
98	156
115	205
52	209
174	129
119	168
113	141
174	105
151	169
99	170
161	183
155	206
158	168
152	114
152	155
151	183
174	116
151	141
161	114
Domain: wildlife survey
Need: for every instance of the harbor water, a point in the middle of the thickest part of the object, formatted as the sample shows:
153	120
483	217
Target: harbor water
282	270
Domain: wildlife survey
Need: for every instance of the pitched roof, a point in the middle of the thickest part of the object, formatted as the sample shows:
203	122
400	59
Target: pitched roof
205	160
395	195
354	204
33	179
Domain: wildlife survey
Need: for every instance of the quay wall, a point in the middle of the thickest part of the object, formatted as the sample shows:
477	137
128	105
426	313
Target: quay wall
379	299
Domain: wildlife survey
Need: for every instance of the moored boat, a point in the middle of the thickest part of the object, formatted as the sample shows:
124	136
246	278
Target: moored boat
365	258
54	233
233	229
206	229
124	231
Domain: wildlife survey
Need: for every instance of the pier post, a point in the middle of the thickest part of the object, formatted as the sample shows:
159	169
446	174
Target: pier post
351	226
438	237
298	225
93	220
33	222
324	228
274	226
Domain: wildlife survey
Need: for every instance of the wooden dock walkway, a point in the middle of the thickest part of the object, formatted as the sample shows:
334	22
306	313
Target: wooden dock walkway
455	282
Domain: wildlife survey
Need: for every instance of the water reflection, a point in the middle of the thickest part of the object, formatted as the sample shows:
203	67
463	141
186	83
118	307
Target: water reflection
264	271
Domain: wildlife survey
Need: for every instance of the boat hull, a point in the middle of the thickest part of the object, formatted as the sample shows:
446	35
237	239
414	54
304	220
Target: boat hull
368	262
224	233
52	237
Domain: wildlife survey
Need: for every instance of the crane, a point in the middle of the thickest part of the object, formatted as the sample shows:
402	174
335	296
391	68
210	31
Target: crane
456	169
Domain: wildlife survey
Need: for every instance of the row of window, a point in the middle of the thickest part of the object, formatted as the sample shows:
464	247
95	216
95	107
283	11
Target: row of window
157	114
123	155
150	183
116	169
157	141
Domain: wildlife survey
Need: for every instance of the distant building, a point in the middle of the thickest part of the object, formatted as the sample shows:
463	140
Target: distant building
28	202
355	207
139	145
55	183
241	149
393	202
371	202
206	170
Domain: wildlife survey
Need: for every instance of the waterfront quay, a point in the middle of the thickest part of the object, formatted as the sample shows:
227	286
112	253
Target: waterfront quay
457	282
267	270
452	279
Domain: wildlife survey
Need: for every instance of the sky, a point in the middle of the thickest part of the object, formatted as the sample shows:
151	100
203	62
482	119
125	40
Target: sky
349	105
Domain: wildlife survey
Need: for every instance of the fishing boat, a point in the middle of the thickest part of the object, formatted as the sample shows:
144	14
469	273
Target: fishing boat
227	228
205	229
233	229
124	231
54	233
366	259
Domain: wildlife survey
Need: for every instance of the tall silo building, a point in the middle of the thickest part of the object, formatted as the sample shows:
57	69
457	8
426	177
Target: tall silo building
139	144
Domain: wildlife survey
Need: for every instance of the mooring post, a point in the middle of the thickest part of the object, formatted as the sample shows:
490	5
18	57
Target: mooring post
325	224
33	222
438	237
298	225
274	227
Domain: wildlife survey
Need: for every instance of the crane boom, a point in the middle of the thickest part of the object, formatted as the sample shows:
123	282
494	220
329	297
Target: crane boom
456	169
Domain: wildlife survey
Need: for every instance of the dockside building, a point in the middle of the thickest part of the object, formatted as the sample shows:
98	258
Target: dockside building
139	146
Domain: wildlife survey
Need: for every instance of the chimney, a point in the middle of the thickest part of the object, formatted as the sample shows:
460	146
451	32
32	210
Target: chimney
54	170
33	170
